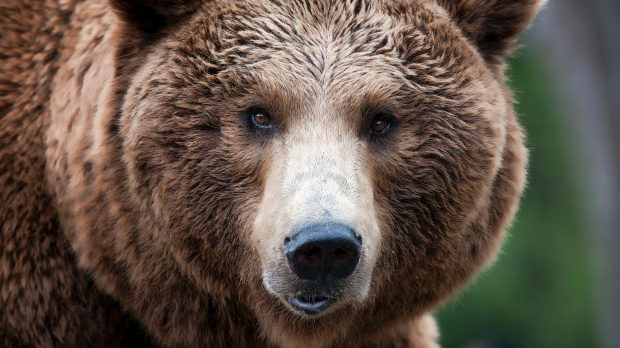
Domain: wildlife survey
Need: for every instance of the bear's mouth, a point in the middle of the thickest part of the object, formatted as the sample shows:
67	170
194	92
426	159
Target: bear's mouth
311	305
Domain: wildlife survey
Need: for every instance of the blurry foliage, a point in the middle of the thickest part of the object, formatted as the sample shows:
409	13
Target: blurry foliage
540	292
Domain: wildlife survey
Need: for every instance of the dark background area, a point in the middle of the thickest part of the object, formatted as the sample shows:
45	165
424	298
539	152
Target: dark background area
556	282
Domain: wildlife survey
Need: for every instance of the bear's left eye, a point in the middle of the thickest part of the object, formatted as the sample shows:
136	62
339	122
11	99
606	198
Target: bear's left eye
380	124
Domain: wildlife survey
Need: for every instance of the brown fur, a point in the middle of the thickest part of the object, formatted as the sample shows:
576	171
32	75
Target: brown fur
133	192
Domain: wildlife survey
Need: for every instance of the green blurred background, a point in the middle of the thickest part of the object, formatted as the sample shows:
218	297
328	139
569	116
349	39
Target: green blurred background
554	285
542	282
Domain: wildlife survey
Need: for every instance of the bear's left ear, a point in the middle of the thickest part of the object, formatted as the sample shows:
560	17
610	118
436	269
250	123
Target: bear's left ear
151	16
492	25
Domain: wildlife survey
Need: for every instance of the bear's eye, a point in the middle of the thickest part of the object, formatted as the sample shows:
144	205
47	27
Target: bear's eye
261	119
380	124
258	120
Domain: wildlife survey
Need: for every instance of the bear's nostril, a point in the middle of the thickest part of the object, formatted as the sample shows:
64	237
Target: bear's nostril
323	252
310	255
341	253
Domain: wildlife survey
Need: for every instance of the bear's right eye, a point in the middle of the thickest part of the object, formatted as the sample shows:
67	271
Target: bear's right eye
261	119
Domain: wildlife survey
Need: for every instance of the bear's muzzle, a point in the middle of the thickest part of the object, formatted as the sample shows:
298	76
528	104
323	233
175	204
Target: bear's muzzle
322	253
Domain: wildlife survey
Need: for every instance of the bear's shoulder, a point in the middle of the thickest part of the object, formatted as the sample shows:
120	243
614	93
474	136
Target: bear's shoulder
46	299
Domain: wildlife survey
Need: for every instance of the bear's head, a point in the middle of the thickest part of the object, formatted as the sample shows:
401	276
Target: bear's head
327	169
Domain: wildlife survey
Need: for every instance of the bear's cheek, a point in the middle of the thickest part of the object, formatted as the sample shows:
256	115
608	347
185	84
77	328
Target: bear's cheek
197	188
432	196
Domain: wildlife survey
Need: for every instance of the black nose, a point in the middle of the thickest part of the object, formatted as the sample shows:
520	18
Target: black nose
323	252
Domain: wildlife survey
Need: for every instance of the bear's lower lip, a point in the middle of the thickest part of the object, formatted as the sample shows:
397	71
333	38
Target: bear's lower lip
311	306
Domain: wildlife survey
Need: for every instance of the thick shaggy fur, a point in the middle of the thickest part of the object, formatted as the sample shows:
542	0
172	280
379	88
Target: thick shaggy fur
137	207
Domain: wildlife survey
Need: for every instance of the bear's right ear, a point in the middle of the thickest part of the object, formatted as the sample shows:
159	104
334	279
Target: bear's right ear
151	16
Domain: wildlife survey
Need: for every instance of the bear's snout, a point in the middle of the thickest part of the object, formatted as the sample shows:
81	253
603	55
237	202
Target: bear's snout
316	229
323	252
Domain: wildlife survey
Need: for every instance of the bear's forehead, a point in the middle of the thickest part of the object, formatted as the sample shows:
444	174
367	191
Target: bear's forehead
316	36
320	49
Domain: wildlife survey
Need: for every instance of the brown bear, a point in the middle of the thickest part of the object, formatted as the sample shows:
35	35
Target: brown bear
260	173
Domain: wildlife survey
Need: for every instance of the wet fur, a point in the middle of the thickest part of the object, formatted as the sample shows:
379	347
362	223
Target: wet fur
129	185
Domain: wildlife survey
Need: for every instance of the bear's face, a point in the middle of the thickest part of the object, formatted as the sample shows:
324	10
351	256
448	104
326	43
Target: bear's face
265	126
325	161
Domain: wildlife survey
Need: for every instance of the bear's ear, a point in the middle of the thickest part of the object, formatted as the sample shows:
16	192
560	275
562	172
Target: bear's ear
492	25
151	16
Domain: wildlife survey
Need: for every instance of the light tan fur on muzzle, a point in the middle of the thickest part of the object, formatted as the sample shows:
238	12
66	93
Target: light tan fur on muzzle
316	174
